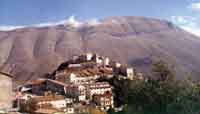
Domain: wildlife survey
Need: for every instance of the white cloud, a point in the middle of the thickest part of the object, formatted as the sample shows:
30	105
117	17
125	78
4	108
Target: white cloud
93	22
188	23
70	21
182	20
193	30
49	24
178	19
195	6
9	28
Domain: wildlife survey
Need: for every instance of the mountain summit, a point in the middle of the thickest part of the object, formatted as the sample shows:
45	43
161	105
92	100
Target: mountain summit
31	51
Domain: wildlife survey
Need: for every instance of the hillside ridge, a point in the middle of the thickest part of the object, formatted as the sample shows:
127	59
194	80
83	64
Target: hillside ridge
136	41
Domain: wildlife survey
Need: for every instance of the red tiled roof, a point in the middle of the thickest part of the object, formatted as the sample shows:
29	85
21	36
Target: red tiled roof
64	84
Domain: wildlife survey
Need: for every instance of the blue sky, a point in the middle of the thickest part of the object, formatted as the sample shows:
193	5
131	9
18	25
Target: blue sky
184	13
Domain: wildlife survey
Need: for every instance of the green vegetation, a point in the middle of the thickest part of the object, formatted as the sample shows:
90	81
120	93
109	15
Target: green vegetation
160	95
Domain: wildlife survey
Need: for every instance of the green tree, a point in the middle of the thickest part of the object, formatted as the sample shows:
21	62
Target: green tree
188	99
162	71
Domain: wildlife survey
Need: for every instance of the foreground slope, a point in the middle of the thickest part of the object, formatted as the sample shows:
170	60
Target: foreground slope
31	52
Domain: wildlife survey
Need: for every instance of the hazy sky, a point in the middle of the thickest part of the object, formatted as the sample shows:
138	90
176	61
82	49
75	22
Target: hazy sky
184	13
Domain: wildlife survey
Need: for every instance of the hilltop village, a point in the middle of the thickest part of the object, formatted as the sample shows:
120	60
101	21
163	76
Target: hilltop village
74	87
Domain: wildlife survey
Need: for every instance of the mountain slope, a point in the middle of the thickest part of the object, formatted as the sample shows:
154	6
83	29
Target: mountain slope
31	52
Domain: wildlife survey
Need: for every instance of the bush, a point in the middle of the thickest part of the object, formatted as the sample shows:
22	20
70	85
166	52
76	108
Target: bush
165	95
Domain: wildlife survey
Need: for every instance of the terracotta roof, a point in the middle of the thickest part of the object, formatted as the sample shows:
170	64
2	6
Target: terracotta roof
63	84
106	71
36	82
58	82
5	74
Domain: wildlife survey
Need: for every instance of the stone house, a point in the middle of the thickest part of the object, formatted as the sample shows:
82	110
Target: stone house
78	92
54	101
6	95
105	101
98	88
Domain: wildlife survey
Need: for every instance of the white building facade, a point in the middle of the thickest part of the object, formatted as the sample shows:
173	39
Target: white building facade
98	88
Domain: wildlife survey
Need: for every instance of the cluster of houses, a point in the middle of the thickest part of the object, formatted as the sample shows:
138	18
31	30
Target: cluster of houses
74	86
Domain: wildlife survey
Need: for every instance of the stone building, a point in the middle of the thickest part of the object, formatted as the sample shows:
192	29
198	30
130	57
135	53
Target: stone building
83	76
78	92
54	101
89	56
6	95
130	73
105	101
41	86
125	72
98	88
78	76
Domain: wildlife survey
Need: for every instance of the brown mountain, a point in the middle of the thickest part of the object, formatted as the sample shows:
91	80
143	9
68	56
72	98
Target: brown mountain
32	51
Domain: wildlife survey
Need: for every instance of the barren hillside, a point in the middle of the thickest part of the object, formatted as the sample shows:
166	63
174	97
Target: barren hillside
31	52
